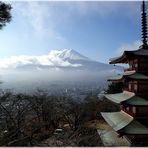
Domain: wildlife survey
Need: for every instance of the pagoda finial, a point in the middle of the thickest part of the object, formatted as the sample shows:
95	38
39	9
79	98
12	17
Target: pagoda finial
144	24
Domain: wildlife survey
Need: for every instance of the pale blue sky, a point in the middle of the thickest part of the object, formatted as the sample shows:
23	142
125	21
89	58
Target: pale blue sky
98	30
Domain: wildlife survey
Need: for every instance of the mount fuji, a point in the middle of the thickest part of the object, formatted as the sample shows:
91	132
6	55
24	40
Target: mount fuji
60	67
66	59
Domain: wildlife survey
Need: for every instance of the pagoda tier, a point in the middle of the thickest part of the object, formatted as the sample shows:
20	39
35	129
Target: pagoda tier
132	81
129	75
110	138
124	124
127	98
130	103
137	60
136	54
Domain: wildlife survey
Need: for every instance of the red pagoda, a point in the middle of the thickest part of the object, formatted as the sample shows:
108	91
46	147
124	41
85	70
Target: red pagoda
132	121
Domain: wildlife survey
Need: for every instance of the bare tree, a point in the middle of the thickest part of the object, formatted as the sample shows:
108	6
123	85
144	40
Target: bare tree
14	110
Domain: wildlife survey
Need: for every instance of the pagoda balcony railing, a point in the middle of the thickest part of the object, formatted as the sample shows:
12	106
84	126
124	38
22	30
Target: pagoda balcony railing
140	94
130	90
136	115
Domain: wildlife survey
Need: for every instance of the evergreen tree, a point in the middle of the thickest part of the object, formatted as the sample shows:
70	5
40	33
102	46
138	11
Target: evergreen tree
5	15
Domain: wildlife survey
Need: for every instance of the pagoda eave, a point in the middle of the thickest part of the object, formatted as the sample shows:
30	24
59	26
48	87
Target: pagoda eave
134	128
132	75
117	120
119	97
121	59
129	55
117	78
127	98
123	123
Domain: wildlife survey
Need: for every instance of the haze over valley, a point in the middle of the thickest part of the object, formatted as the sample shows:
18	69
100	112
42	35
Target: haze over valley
59	72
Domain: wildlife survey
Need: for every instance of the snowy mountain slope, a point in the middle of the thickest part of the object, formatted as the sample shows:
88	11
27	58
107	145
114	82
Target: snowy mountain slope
66	59
70	54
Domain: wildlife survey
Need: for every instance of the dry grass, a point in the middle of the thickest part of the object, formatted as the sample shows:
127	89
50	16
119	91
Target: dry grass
97	124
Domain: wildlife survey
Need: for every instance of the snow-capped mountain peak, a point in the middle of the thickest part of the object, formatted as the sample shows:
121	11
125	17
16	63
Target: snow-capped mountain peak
68	54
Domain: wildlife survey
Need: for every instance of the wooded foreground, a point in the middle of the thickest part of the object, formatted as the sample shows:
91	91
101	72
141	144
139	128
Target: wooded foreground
31	120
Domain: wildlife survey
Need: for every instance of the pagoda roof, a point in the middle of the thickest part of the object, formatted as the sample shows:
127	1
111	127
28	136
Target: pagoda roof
135	127
117	120
110	138
116	78
123	122
128	54
119	97
127	98
137	101
129	74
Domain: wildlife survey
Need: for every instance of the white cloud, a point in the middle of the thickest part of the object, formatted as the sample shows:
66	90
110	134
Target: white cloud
133	46
46	18
51	60
39	16
30	13
47	15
